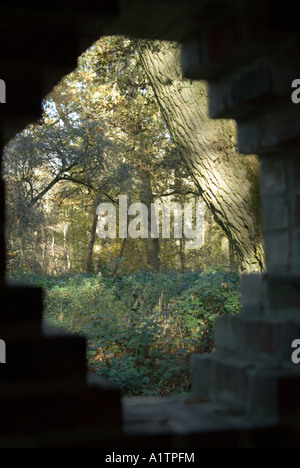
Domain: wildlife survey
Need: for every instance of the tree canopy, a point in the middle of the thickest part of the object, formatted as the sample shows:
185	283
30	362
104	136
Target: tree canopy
109	129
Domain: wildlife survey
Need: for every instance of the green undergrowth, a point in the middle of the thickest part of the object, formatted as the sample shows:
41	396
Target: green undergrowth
142	328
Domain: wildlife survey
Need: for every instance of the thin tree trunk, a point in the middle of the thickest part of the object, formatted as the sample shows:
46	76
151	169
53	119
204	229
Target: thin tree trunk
182	255
226	180
90	254
152	245
116	269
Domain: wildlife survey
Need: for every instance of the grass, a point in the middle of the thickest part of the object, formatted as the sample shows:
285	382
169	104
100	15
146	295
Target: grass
141	328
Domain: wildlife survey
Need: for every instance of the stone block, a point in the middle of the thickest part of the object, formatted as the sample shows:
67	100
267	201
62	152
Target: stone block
278	251
255	387
224	335
295	256
238	95
281	128
19	302
288	391
276	132
287	332
95	406
192	59
251	85
295	172
273	175
54	355
249	135
297	211
263	395
253	294
201	375
21	312
275	212
262	340
284	69
220	378
254	337
283	292
274	392
229	381
251	338
25	99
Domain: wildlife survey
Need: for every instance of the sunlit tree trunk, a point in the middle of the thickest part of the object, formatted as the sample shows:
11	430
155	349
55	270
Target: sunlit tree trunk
227	181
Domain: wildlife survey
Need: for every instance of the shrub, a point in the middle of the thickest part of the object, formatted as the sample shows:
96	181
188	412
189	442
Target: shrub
142	328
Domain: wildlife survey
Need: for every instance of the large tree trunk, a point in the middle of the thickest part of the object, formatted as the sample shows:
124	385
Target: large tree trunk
227	181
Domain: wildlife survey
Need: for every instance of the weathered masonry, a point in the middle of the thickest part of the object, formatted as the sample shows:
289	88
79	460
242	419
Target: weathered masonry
248	51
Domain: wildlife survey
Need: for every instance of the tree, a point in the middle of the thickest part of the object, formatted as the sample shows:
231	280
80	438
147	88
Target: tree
226	180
